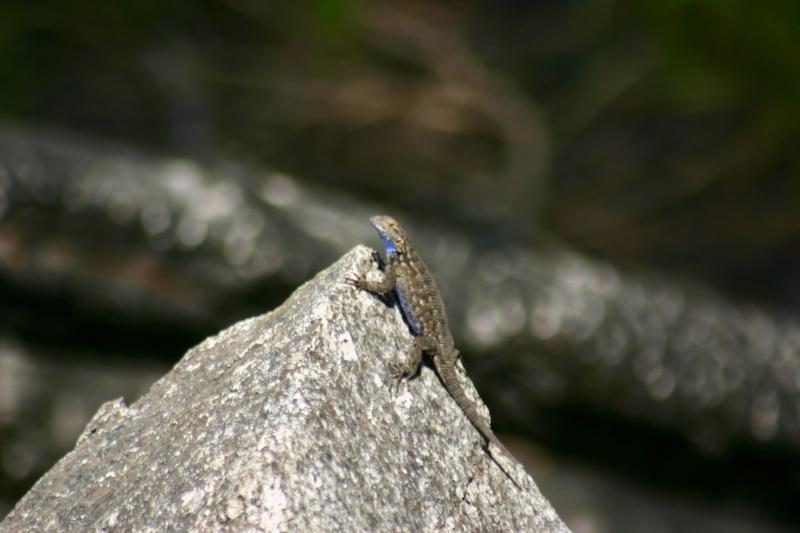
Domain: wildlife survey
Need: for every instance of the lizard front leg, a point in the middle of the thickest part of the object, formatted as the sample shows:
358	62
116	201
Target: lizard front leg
383	282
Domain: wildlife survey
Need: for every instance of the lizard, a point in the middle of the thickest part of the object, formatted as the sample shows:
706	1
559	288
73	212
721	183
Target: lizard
422	306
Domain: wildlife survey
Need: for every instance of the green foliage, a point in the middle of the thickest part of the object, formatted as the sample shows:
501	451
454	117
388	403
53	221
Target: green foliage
729	52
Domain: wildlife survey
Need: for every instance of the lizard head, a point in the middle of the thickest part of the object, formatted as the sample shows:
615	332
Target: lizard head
393	237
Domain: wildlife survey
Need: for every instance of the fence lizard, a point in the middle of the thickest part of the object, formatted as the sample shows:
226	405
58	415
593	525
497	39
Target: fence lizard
421	304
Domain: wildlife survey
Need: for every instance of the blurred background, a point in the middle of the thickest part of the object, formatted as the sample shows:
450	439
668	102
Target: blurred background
607	189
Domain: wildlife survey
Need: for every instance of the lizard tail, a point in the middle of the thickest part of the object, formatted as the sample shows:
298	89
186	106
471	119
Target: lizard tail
453	386
448	376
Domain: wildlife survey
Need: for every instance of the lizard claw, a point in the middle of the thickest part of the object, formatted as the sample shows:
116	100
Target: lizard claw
398	374
396	371
356	280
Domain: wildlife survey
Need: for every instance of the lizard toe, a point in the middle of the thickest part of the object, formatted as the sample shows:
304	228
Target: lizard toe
355	280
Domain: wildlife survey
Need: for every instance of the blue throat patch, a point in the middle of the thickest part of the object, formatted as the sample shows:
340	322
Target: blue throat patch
388	244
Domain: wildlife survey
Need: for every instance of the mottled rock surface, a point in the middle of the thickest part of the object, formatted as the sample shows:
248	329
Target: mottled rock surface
287	422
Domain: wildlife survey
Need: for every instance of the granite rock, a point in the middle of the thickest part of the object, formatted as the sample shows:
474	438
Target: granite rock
288	421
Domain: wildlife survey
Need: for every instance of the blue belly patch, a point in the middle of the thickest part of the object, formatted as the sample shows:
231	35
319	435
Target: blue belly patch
407	314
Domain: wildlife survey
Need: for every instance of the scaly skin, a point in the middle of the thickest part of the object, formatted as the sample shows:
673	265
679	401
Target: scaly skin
421	304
